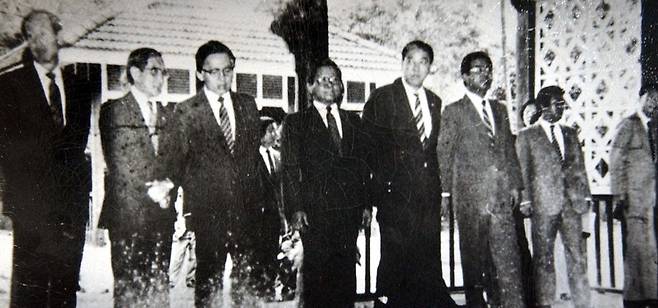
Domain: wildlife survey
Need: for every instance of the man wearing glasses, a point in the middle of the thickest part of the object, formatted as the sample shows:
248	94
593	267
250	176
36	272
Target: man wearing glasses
479	168
137	208
402	122
324	189
216	161
555	193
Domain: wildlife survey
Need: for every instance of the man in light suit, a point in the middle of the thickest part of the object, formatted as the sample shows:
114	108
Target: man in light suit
633	183
45	112
555	193
216	162
136	209
479	168
324	189
402	121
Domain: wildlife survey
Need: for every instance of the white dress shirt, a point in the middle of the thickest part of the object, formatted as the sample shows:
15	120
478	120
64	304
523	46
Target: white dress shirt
213	99
263	153
557	130
476	100
149	110
45	84
644	119
424	105
322	109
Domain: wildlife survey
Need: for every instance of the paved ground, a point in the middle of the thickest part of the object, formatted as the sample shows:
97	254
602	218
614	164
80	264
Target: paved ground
96	279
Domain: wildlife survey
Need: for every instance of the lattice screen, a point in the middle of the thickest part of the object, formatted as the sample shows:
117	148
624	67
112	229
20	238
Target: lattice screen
591	49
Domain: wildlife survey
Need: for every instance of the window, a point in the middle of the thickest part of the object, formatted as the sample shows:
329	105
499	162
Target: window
356	92
114	77
247	83
179	81
272	87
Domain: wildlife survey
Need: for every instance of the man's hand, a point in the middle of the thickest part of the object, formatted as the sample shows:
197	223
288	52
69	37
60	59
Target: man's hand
366	219
158	191
299	221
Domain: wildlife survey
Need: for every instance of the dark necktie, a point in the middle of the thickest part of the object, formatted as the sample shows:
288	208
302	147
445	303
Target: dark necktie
225	124
652	128
487	119
55	101
556	146
270	161
418	119
333	131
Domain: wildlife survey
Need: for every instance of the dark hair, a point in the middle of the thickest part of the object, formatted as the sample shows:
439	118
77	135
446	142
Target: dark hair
469	58
545	94
209	48
264	124
54	21
418	44
322	63
139	58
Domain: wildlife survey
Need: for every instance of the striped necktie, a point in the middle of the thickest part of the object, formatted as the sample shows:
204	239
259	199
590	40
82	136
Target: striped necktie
55	101
487	119
333	131
418	118
556	146
225	124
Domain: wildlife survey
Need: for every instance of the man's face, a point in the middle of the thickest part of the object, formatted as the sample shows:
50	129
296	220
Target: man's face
479	77
554	111
415	67
42	39
650	105
324	89
151	79
271	137
217	73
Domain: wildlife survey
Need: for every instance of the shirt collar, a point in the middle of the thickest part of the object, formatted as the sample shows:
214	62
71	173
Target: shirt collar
410	90
643	117
322	107
475	99
547	125
139	96
43	71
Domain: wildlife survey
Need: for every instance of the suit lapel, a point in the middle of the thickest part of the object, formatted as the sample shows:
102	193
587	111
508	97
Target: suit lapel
404	109
136	121
209	122
545	143
474	116
38	97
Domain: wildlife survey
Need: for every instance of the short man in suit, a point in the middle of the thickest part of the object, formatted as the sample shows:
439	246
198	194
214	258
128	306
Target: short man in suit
44	123
216	162
402	122
479	168
324	189
137	210
266	221
633	163
555	193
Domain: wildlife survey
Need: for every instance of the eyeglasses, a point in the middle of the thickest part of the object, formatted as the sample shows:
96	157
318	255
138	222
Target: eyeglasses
154	71
480	69
328	80
216	72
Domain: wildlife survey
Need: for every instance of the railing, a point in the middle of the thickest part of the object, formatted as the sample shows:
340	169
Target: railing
604	252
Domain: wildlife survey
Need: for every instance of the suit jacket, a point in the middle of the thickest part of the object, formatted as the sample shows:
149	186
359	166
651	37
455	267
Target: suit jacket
47	174
131	163
476	169
632	170
271	181
218	185
405	176
316	179
551	184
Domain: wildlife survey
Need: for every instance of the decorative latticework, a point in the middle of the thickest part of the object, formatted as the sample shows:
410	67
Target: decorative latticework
591	49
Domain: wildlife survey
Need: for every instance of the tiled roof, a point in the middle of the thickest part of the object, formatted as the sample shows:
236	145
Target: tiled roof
181	26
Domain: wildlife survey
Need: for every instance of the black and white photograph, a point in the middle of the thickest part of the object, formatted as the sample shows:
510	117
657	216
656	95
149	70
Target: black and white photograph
329	153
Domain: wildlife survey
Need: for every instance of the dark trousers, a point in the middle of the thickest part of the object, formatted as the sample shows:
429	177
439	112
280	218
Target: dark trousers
140	265
526	260
39	277
263	229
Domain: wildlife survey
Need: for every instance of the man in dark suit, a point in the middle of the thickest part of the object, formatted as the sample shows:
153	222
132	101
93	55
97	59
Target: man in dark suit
556	189
324	189
44	125
136	209
266	221
216	162
480	169
402	121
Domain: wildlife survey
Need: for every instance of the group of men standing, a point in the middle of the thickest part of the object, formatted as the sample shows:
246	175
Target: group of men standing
405	156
